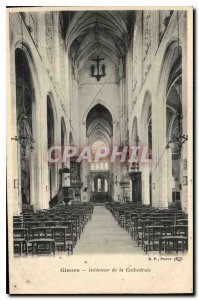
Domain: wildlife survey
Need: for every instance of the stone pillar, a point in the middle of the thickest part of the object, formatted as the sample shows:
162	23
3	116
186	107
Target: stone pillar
169	174
185	112
39	155
44	147
145	185
84	165
102	187
159	163
13	148
145	164
163	163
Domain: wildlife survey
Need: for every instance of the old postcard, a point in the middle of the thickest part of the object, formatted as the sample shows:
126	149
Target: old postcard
99	150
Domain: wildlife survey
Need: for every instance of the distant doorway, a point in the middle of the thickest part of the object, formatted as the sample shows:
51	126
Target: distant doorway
136	187
100	191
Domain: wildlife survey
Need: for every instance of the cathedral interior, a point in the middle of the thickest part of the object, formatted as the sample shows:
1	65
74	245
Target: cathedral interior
98	78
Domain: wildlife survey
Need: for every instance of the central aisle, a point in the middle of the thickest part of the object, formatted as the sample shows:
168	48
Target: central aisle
103	235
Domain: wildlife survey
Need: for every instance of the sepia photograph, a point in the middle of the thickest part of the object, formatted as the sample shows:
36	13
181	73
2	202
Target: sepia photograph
99	150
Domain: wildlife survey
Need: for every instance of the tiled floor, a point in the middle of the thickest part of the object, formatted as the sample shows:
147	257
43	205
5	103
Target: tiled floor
103	235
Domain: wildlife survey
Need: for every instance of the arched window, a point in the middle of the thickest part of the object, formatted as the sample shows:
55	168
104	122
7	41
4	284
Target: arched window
105	186
99	184
93	186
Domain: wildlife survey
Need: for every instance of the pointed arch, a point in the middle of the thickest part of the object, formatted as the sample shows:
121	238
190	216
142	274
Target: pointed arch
146	117
134	132
171	66
26	123
99	124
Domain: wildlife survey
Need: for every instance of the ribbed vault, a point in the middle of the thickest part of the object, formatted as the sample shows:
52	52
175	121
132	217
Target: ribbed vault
99	125
91	32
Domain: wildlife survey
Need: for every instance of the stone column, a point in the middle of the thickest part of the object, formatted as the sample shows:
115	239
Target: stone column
185	112
44	147
159	164
169	174
13	147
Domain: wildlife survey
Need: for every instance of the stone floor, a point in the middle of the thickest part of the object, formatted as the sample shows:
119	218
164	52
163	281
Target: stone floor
103	235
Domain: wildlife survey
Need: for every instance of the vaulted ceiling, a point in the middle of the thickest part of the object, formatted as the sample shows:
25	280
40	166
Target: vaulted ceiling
88	32
99	125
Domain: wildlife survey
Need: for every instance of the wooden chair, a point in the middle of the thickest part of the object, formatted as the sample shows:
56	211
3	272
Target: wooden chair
154	233
173	244
142	234
180	230
63	238
17	218
38	233
182	222
18	224
51	223
33	224
20	240
42	246
20	246
20	233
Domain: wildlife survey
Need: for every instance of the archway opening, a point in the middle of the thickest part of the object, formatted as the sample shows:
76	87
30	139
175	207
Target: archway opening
24	111
174	131
99	130
136	182
100	188
174	125
146	144
51	142
63	139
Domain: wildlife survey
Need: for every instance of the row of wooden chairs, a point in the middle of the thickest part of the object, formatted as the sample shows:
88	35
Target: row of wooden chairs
48	231
153	229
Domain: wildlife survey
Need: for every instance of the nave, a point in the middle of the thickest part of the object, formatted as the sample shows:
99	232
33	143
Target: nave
121	110
104	236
